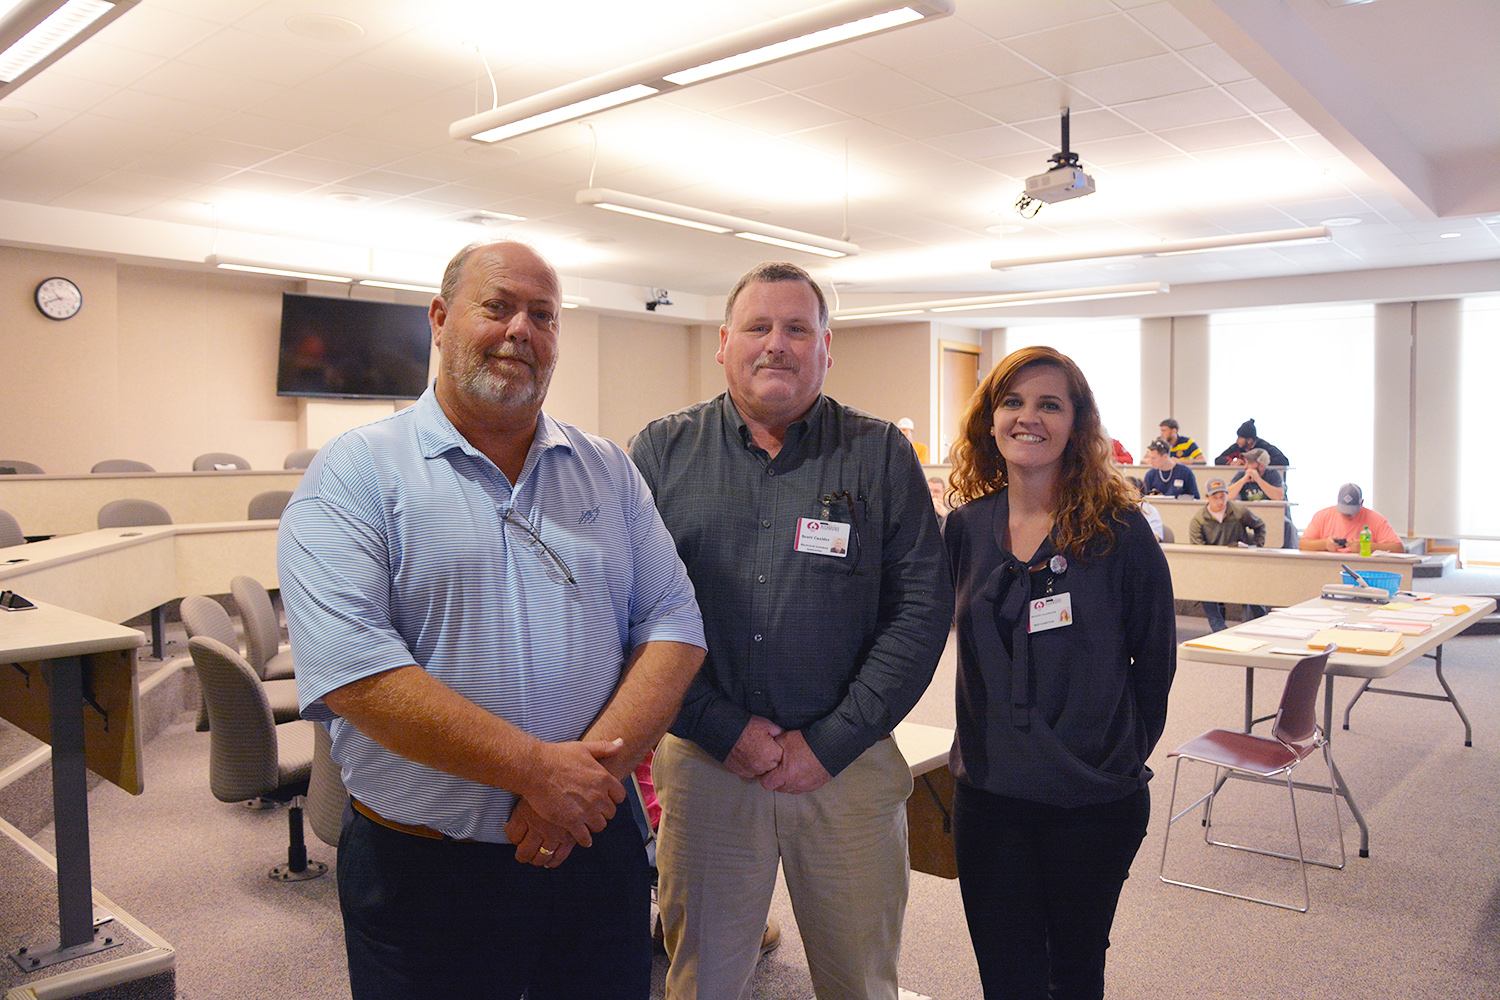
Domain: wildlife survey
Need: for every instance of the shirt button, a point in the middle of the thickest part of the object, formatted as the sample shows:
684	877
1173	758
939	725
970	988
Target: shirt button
761	578
770	472
765	524
757	637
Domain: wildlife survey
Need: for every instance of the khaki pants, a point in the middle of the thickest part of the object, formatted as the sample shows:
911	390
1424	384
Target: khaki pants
842	849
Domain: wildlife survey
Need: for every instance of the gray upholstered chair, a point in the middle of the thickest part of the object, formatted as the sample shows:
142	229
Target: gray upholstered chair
263	649
250	756
132	513
268	506
10	531
121	465
206	617
1166	534
326	795
14	466
214	460
299	459
135	513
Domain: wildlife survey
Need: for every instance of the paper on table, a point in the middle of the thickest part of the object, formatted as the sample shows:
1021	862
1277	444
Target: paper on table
1289	630
1357	641
1315	614
1227	641
1406	628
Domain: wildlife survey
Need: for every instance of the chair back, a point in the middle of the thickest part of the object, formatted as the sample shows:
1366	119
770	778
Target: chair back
1297	718
268	506
121	465
204	616
10	531
299	459
210	461
16	467
262	627
326	794
242	757
132	513
1167	535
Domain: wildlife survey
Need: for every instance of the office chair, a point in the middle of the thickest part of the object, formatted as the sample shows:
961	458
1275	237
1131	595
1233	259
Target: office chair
135	513
212	460
14	466
326	794
250	756
132	513
1294	737
263	649
10	531
299	459
205	617
121	465
268	506
1166	534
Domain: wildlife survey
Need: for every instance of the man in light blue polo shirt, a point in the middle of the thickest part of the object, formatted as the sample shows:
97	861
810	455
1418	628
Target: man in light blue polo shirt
488	614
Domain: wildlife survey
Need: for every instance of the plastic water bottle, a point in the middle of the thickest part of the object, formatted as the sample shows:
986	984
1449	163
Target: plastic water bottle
1364	541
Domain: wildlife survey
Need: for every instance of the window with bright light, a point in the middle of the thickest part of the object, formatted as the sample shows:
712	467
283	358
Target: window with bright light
1478	481
1306	375
1108	352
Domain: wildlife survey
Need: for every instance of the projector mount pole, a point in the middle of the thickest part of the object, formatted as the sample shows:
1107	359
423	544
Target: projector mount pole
1065	158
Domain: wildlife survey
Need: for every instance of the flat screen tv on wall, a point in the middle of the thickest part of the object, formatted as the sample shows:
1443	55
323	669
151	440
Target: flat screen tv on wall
349	349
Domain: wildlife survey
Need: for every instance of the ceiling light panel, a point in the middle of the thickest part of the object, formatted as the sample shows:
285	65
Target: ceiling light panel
759	45
714	222
35	34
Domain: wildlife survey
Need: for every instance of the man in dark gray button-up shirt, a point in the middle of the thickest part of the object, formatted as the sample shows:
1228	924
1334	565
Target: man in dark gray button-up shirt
811	540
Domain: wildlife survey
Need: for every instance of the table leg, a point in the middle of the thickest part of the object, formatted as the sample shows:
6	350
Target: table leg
1249	698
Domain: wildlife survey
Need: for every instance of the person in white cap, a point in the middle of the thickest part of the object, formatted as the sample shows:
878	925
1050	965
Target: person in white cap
1336	528
908	428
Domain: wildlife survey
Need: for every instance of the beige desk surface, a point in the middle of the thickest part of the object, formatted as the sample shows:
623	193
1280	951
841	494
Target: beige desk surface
1277	577
924	747
69	505
119	573
1177	513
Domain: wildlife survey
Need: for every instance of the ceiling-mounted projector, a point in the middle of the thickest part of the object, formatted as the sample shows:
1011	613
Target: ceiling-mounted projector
1059	184
1063	181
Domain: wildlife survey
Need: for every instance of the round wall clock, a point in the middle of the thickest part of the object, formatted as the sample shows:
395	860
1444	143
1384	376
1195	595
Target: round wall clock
58	298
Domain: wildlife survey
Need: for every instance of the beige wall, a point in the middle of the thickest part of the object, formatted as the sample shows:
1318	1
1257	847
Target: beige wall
886	371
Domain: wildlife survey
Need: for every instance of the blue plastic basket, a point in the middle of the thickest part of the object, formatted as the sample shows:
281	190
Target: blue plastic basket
1375	578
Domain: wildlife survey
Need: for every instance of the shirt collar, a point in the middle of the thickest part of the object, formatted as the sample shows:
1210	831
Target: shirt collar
796	432
437	435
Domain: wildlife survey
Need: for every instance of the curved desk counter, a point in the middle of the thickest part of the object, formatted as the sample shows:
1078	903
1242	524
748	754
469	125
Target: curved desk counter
69	505
1177	513
1277	577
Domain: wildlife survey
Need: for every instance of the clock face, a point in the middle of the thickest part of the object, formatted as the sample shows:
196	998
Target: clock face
58	298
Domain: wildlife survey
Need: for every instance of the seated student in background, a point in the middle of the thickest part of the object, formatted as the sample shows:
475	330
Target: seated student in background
1258	481
1184	449
909	429
1222	522
1246	439
1167	477
1153	516
1336	528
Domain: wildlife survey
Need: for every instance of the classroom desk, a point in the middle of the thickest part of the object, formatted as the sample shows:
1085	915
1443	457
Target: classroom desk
929	808
1341	664
119	573
69	505
1177	513
1276	577
70	680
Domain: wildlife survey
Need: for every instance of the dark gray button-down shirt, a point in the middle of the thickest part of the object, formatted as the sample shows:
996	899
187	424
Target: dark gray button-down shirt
838	646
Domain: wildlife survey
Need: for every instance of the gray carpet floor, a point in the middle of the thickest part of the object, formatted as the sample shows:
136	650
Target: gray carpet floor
1419	918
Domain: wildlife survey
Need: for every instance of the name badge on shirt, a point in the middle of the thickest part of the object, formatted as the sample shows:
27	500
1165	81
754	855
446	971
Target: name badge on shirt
1051	612
824	538
1177	483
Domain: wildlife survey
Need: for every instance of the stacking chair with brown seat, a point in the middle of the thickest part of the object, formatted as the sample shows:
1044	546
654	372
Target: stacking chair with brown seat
206	617
121	465
220	461
1295	735
250	756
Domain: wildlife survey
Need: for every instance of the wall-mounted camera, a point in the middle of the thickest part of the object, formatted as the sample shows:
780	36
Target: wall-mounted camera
658	298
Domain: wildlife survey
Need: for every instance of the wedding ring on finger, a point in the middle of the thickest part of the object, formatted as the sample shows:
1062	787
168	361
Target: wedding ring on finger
544	852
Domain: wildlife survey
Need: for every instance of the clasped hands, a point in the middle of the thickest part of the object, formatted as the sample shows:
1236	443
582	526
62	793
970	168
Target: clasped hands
571	797
779	759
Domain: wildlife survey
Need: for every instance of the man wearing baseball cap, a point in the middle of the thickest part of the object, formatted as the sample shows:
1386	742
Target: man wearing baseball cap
1223	522
1336	528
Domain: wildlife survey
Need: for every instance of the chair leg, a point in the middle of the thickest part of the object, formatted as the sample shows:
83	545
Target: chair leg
297	868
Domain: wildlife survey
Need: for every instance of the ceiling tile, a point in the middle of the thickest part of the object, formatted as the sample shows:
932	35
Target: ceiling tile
872	93
1215	63
1217	135
1087	45
1157	76
972	70
924	121
1178	110
780	115
1167	23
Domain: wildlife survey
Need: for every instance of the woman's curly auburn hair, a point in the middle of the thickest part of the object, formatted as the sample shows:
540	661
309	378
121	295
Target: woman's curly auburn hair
1091	495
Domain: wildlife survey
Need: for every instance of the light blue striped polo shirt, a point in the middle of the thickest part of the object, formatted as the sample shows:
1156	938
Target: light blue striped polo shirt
394	550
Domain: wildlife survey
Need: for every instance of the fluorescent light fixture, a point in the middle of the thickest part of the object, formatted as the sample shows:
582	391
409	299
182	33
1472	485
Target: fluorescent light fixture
714	222
1270	238
374	281
1003	301
399	286
35	34
226	264
781	38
